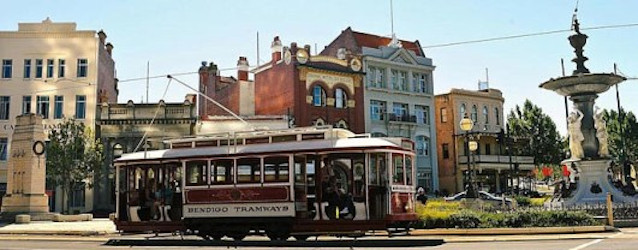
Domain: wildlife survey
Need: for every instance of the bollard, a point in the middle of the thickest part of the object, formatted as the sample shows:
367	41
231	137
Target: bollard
610	210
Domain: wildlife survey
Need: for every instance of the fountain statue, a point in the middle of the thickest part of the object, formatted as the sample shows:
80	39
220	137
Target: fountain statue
601	133
575	134
588	139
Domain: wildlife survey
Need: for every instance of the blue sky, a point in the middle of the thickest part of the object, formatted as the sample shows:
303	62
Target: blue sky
175	36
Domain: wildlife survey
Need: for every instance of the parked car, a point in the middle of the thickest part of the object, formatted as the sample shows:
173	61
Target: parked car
485	196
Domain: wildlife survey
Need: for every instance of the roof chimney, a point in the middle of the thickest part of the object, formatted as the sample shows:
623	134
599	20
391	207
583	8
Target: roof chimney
242	69
102	36
109	48
276	49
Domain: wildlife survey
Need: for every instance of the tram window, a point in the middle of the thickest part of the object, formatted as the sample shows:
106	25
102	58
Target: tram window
196	173
408	169
397	176
284	138
276	169
221	171
248	170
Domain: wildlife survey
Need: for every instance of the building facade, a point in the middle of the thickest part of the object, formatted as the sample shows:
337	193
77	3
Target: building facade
398	99
491	161
54	70
121	127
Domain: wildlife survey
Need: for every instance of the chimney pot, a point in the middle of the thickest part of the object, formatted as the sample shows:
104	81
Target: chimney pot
109	48
276	49
242	69
102	36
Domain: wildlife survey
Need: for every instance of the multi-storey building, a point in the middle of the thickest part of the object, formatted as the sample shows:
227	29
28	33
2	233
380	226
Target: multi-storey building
491	161
56	71
308	90
398	99
126	127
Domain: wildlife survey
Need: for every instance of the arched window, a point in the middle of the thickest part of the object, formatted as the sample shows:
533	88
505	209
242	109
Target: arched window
474	115
341	98
486	115
498	116
422	145
318	96
341	124
462	110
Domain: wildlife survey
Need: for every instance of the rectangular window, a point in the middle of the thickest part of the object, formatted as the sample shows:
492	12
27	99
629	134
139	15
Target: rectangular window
27	68
394	79
196	173
443	115
371	77
43	106
276	169
4	107
422	114
26	104
3	149
38	68
403	81
400	111
7	68
83	67
446	151
221	172
58	107
248	170
397	166
380	78
61	67
50	68
80	106
377	110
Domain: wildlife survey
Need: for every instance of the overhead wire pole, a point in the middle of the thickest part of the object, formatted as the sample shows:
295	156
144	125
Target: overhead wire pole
213	101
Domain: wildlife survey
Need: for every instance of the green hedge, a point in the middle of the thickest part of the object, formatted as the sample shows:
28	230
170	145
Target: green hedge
441	215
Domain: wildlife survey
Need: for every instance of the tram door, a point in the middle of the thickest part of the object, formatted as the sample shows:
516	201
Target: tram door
301	183
378	186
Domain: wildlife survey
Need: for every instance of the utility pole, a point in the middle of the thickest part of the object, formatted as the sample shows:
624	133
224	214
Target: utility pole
148	64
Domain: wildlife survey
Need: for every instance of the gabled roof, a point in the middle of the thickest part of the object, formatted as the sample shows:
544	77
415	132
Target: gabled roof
375	41
355	41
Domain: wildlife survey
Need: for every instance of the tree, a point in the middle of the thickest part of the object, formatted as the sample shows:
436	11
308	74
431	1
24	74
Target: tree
545	143
74	156
629	133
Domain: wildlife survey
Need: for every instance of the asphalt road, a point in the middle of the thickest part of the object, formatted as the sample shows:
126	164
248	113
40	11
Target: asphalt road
627	239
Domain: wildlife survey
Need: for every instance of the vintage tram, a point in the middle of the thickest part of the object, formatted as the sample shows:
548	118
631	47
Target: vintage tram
300	182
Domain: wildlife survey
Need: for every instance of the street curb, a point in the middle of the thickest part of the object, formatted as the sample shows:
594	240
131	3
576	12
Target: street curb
53	232
512	231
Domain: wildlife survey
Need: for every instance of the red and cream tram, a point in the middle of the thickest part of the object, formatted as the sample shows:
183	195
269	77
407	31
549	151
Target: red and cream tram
300	182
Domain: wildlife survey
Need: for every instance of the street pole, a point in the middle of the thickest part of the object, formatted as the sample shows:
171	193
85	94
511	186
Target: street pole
509	152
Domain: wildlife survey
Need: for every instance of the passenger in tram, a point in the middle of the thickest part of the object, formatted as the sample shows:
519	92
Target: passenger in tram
150	199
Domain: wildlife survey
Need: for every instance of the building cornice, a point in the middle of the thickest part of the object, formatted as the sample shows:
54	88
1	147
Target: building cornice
30	34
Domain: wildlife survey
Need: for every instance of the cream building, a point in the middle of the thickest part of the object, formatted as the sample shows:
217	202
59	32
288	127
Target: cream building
54	70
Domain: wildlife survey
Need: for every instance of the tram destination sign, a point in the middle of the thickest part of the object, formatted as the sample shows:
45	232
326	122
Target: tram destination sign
240	210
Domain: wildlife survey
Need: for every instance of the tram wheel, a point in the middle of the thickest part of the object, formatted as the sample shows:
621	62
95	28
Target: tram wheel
237	236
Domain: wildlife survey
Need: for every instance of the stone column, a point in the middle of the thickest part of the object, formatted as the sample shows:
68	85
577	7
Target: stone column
26	170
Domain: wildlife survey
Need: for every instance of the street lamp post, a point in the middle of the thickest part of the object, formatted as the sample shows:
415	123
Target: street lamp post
466	125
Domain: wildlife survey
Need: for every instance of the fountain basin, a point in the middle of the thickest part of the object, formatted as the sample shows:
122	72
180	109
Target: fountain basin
582	84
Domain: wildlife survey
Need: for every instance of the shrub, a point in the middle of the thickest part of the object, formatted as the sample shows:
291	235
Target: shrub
522	200
436	213
465	219
538	202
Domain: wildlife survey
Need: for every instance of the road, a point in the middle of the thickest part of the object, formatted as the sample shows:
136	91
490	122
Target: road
626	239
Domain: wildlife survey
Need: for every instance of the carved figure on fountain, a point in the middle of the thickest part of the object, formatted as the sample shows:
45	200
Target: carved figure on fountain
601	133
576	136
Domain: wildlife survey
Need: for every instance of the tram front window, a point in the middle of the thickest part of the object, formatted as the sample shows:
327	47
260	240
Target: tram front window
397	175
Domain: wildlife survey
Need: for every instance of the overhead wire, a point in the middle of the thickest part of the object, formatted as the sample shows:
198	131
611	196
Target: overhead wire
159	105
615	26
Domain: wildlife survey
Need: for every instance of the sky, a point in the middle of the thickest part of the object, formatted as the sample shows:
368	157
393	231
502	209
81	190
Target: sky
176	36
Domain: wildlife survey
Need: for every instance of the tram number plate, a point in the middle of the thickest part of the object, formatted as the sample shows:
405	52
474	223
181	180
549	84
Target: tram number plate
240	210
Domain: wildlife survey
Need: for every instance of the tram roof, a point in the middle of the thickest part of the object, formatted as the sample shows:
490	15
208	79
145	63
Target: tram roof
325	145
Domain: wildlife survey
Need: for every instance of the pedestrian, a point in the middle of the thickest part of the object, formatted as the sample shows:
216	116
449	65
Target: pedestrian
421	197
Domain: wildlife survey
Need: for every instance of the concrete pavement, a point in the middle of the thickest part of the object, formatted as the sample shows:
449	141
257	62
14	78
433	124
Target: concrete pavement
82	228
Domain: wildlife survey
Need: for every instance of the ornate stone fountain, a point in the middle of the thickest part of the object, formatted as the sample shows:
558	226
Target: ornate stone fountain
589	159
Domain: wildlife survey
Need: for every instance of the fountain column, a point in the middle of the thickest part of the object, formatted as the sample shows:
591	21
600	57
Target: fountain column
585	103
